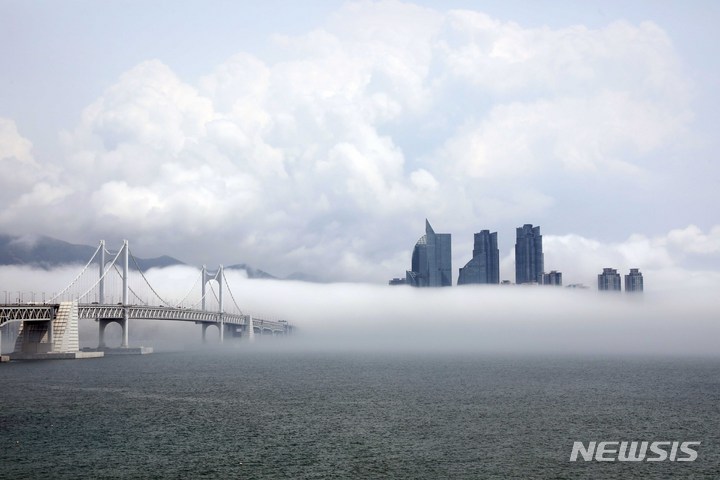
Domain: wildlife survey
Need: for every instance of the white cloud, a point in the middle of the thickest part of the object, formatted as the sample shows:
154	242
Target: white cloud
507	57
359	129
149	106
692	240
581	259
17	164
12	144
582	135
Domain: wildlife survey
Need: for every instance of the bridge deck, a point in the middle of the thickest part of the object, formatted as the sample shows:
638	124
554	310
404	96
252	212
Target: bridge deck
44	312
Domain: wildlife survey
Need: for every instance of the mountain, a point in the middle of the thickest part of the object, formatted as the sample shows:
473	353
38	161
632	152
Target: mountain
47	252
257	273
251	272
157	262
40	251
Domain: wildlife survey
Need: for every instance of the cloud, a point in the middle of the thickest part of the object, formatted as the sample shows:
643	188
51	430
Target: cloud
660	258
12	145
20	170
327	155
692	240
507	57
526	138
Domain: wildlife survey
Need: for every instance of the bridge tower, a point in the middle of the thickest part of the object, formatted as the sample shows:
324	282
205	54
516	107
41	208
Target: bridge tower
218	277
125	322
101	264
126	299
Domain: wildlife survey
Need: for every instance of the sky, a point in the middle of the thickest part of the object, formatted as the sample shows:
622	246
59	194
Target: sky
316	137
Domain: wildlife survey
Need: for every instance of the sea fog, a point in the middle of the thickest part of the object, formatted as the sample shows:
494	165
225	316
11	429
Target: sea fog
470	319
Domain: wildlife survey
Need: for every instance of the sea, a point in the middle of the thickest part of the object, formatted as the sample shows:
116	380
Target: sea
254	413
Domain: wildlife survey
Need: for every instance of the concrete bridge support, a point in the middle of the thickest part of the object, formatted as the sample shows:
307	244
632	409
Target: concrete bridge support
221	327
59	335
104	322
204	331
56	338
228	331
250	326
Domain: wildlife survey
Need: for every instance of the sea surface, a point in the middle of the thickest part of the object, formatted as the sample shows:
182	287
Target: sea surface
250	413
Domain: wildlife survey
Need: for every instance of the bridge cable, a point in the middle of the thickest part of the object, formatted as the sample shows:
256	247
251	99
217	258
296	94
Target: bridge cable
197	280
146	280
103	275
231	294
213	291
131	289
76	278
199	301
214	277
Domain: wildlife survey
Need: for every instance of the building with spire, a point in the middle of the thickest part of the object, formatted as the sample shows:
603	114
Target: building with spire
485	264
431	260
529	262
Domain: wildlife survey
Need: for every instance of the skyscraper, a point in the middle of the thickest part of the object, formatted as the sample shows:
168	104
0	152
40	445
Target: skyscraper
634	281
485	264
528	254
609	279
431	260
552	278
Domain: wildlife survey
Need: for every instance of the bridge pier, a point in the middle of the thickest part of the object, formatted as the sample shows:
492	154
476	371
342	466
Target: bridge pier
228	331
104	322
223	328
250	328
48	338
204	331
125	330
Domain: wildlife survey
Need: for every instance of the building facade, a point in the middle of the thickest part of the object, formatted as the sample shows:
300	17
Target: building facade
552	278
634	281
609	280
485	264
529	262
431	260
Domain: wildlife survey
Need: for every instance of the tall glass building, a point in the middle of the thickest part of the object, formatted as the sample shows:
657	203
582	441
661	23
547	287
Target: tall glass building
552	278
431	260
485	264
609	280
529	263
634	281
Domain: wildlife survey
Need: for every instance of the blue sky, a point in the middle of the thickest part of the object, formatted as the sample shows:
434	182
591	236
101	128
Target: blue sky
318	136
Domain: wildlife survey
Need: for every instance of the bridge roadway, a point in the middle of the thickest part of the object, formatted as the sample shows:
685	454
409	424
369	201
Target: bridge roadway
44	312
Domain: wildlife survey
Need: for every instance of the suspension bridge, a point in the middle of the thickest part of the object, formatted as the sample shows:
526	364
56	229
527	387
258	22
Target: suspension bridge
117	293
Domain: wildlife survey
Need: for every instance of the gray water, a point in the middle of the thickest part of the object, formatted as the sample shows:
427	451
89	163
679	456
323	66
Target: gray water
278	414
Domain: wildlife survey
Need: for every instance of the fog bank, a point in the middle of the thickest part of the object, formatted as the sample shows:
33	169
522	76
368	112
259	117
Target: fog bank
479	319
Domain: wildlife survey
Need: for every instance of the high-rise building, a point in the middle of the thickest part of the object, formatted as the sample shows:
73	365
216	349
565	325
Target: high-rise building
609	279
528	254
485	264
431	260
552	278
634	281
